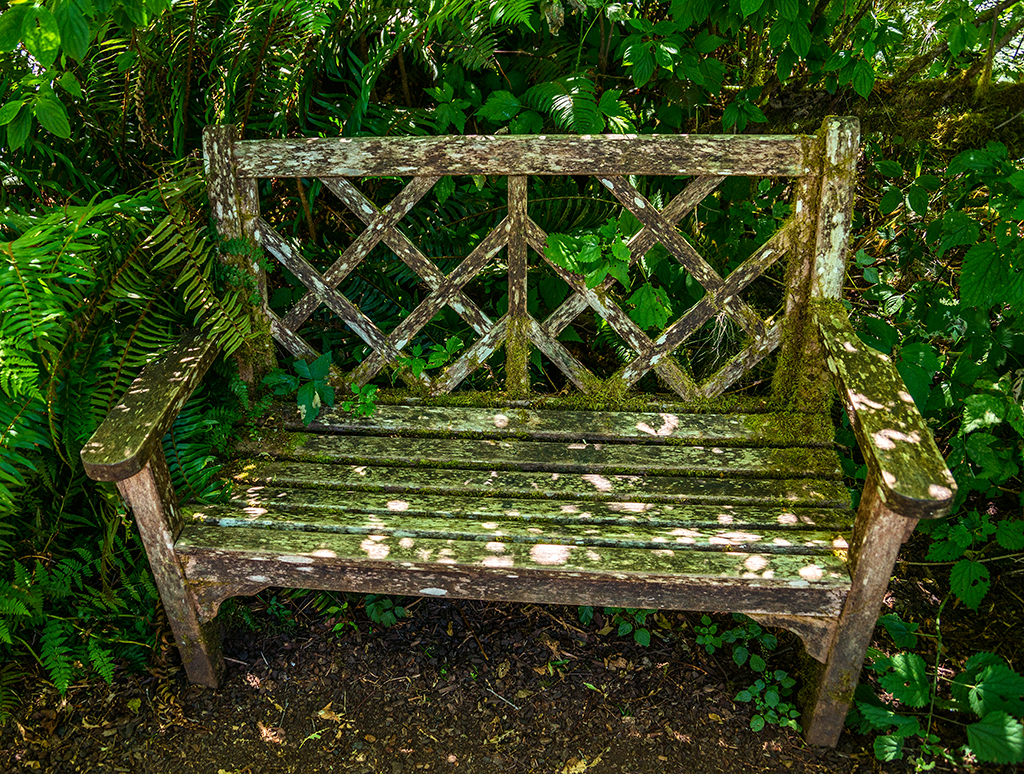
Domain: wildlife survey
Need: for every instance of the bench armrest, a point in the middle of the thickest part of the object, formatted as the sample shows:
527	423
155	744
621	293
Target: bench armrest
897	445
133	430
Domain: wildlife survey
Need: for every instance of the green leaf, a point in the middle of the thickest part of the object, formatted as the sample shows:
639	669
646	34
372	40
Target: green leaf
945	551
889	168
977	663
908	680
642	637
902	632
74	29
757	663
11	22
749	7
958	228
983	276
917	198
650	308
891	200
739	655
863	78
320	367
53	116
41	34
757	722
10	111
800	39
70	84
969	580
18	129
997	688
788	9
888	748
705	42
997	738
501	106
1010	534
982	411
786	62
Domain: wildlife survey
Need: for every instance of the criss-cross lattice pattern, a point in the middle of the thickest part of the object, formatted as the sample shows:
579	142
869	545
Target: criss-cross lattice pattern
515	232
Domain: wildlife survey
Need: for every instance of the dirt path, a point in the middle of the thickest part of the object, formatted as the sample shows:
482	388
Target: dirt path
471	687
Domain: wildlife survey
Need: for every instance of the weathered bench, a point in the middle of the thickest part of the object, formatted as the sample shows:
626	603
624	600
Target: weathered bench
694	500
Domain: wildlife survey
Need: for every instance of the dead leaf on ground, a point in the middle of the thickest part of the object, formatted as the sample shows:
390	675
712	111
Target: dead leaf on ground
274	734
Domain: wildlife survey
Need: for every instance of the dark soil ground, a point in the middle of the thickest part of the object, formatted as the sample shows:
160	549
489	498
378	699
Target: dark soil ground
470	686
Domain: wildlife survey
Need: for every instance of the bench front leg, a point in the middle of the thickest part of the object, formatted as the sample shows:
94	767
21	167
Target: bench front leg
907	480
127	450
151	498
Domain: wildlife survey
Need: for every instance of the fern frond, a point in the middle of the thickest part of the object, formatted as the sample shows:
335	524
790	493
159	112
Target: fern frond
101	659
55	654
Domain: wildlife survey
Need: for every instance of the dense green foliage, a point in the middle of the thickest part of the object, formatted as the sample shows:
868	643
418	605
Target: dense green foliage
106	253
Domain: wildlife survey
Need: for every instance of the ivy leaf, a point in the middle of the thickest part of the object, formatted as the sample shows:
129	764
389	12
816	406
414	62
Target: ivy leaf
969	580
1010	534
501	106
997	738
998	688
908	680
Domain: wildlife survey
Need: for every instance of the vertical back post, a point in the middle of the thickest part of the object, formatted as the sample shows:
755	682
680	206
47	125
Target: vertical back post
234	204
840	140
517	340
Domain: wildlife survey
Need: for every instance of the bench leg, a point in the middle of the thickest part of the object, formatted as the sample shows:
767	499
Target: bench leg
878	535
151	498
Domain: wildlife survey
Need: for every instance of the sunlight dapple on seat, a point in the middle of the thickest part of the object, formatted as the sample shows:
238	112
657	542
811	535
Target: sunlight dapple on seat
674	479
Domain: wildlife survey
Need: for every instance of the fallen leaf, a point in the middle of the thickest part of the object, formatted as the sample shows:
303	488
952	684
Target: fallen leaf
271	734
714	717
328	714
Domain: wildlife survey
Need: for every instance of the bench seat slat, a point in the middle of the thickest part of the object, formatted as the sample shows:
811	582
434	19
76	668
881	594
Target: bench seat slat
577	426
311	549
545	485
514	527
506	454
265	498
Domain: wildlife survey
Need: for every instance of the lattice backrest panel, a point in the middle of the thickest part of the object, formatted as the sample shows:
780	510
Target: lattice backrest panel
813	238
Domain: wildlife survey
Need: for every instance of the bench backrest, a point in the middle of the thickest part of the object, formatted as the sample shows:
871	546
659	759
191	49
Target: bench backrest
811	244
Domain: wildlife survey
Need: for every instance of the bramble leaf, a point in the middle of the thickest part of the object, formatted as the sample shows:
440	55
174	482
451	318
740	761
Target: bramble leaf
969	580
997	738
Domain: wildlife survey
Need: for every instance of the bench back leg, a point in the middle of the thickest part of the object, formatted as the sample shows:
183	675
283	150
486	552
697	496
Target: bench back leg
878	534
151	498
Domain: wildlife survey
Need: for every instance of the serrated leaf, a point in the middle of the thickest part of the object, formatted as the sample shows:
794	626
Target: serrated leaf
11	22
739	655
981	411
863	78
891	200
945	551
965	680
648	309
958	229
997	688
10	111
902	632
788	9
500	106
800	39
986	278
888	748
881	718
1010	534
74	29
41	35
997	738
969	580
19	129
908	679
53	116
889	168
749	7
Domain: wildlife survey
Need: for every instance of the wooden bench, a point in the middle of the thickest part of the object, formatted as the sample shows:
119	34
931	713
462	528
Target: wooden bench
680	497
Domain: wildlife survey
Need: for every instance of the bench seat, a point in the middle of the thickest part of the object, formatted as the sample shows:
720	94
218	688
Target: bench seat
686	511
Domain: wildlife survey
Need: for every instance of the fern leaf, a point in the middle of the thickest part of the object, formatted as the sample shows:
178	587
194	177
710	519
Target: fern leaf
101	659
55	654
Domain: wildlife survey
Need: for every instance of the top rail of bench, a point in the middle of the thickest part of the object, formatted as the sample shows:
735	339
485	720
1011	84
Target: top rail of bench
776	155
